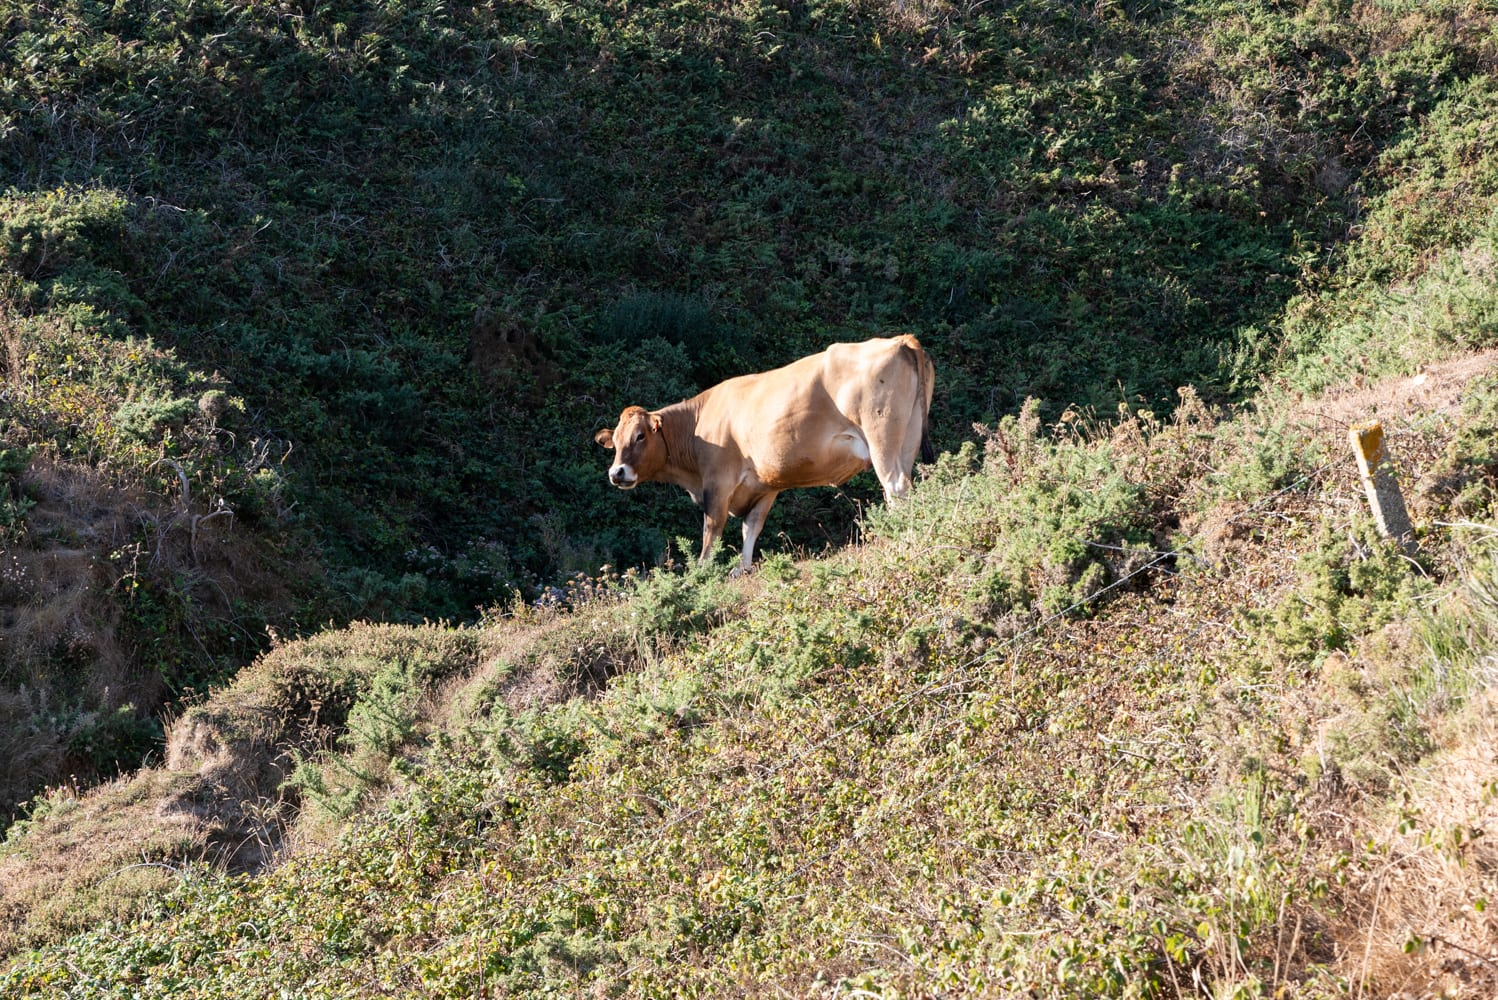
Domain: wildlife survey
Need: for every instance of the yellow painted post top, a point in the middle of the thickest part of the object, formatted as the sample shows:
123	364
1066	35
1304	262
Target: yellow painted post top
1368	443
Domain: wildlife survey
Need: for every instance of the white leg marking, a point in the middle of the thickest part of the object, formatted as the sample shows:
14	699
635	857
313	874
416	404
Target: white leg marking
897	487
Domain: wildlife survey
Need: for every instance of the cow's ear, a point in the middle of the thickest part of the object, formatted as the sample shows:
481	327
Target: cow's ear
605	437
655	422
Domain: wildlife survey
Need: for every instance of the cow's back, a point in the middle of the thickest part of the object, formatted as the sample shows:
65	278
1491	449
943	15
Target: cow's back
817	420
775	424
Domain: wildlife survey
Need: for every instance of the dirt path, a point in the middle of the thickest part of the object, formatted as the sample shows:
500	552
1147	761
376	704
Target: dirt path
1437	388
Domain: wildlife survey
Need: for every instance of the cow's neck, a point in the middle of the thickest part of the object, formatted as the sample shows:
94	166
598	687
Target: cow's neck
679	427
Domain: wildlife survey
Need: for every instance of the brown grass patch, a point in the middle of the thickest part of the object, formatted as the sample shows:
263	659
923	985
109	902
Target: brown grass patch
100	857
1421	917
69	650
220	796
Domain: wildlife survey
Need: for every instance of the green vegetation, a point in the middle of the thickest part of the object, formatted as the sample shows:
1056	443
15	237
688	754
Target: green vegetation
406	243
308	313
864	773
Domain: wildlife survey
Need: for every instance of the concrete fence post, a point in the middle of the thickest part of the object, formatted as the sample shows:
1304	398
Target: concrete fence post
1384	498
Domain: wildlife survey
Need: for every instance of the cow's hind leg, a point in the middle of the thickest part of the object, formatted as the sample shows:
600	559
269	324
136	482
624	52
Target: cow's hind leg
893	457
893	424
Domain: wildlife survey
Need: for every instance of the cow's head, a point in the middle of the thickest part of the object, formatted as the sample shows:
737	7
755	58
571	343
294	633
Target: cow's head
639	449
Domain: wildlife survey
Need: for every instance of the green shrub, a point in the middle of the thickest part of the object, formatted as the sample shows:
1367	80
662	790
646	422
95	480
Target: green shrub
383	719
1265	460
1352	583
716	351
668	607
1048	522
1466	476
146	419
116	742
45	234
13	501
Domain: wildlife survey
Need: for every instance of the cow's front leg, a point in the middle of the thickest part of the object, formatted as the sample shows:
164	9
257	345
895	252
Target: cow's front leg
714	517
754	521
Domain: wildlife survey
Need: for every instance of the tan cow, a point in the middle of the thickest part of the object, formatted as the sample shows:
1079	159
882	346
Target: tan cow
815	422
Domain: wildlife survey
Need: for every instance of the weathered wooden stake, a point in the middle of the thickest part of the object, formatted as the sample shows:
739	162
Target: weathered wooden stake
1384	498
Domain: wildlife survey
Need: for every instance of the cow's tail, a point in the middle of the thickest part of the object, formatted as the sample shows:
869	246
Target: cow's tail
927	375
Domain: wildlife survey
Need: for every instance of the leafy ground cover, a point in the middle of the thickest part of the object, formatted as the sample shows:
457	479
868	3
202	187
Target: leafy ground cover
308	314
343	288
1216	766
422	247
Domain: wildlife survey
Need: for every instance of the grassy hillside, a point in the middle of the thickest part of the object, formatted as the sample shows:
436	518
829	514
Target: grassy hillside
1133	710
339	291
310	311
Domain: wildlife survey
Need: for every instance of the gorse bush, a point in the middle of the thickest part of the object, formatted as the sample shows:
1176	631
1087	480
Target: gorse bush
715	351
1353	582
1419	275
1270	457
1048	518
668	607
146	419
385	717
66	233
1469	468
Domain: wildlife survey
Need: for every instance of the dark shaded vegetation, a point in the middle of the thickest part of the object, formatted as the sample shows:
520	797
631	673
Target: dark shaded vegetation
431	245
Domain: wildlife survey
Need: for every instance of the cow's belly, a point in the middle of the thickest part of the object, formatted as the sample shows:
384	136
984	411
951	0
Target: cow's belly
828	460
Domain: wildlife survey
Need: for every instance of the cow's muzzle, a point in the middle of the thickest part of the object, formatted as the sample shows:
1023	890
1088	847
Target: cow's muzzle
623	477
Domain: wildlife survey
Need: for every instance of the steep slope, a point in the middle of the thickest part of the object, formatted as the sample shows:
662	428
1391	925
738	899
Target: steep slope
420	249
1121	706
1131	710
338	290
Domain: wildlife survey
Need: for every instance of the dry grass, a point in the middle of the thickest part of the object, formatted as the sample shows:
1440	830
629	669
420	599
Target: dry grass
1418	919
57	587
69	651
63	656
219	796
99	856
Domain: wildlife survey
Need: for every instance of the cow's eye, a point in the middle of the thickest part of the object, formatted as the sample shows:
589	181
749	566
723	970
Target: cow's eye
639	437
